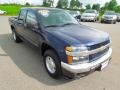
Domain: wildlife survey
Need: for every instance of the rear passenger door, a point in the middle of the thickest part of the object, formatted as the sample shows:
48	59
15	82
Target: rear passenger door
31	28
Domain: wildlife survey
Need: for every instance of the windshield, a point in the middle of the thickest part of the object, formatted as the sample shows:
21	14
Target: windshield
74	12
90	11
109	13
56	18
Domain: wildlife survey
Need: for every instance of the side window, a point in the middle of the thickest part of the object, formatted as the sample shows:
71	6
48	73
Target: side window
22	14
31	18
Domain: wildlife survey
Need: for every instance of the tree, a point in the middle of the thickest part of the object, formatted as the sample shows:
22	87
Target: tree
65	3
88	6
78	4
117	9
59	4
96	7
72	4
51	2
75	4
27	4
62	4
112	5
48	3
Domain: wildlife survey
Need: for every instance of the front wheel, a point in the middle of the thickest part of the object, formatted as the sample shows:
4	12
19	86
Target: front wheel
114	22
94	20
52	64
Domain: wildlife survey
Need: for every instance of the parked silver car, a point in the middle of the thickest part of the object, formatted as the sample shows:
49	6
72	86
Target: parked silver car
90	15
109	17
118	17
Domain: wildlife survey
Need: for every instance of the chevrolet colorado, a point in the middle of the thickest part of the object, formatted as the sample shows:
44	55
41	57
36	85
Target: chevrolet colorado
68	48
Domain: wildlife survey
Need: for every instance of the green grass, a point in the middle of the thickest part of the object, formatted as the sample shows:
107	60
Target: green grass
11	9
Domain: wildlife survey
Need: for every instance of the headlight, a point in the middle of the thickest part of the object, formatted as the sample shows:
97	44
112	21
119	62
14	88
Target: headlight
76	49
77	59
114	17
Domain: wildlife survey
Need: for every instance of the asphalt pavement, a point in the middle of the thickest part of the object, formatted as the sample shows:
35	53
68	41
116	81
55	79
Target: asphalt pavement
21	66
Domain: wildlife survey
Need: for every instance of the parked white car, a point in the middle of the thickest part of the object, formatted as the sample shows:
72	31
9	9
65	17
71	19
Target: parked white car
90	15
2	12
109	17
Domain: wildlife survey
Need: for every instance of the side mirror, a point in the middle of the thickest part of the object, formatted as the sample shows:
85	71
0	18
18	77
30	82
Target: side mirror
20	21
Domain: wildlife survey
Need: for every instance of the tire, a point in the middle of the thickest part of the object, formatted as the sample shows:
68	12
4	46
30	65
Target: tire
56	71
15	37
114	22
94	20
81	20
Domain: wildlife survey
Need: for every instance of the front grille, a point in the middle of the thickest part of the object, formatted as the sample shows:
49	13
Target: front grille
108	17
98	45
87	16
97	55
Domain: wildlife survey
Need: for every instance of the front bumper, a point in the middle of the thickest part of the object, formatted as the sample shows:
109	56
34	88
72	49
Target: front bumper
109	20
86	67
88	18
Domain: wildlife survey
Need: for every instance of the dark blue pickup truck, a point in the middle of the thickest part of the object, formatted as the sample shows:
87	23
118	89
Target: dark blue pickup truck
68	48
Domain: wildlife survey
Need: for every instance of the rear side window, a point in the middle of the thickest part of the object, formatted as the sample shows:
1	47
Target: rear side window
22	14
31	18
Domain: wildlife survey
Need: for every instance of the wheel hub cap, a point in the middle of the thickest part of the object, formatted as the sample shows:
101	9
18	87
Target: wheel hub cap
14	36
50	64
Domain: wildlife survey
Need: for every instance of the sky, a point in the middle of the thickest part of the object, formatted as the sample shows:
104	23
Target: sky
39	2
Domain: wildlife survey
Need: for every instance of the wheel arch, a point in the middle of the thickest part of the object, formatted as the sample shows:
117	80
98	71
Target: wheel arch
12	27
45	47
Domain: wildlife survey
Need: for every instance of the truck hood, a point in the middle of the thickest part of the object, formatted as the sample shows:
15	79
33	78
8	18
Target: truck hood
112	16
78	34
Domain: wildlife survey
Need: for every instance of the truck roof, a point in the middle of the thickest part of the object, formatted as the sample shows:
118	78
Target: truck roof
40	8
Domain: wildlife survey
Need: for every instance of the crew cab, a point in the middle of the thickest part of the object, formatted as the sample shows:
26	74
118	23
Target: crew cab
68	48
109	17
90	15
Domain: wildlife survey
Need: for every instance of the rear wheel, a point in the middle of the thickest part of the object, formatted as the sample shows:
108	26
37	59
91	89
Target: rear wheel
52	64
15	37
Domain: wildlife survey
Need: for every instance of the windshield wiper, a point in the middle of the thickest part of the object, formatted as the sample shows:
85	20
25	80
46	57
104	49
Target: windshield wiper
53	26
69	24
61	25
